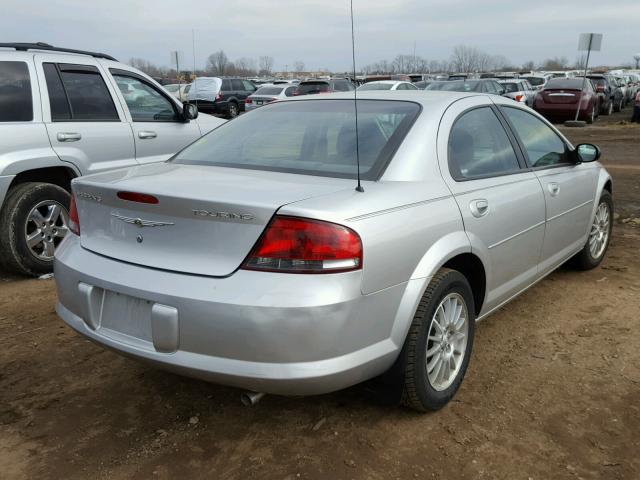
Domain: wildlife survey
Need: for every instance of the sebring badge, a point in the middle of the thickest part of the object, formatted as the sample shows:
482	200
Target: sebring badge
138	222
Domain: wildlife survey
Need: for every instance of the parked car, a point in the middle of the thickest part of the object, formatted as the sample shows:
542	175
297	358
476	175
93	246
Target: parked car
179	90
537	81
560	97
423	84
626	84
519	89
387	85
269	93
251	260
479	86
437	85
609	92
312	87
221	96
69	113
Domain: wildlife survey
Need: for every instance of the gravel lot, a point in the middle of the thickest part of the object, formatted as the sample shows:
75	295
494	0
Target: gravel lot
553	390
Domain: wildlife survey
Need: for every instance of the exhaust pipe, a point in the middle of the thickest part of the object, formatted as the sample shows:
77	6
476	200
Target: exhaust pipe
250	399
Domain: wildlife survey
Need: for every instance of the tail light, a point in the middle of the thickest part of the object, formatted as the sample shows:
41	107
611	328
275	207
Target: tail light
302	245
519	98
248	100
74	221
218	97
138	197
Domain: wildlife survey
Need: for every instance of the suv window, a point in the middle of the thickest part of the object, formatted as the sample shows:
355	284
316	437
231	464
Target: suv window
146	104
248	86
16	104
226	85
78	93
543	146
290	91
341	86
237	85
479	146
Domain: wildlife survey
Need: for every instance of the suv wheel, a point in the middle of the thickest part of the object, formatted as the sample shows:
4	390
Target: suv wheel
33	222
233	110
599	235
436	351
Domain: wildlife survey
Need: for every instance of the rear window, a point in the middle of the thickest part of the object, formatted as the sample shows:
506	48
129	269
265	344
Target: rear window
376	86
315	137
535	81
511	87
312	87
16	104
269	91
568	83
342	86
460	86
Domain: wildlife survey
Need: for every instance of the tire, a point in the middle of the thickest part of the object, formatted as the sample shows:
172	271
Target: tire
609	110
618	106
419	391
592	116
15	225
587	259
233	110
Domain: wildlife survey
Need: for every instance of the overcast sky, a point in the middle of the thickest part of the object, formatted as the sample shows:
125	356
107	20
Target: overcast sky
318	31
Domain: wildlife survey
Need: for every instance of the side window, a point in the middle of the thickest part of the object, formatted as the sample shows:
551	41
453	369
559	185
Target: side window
16	104
480	147
83	90
226	85
411	86
146	104
237	85
543	146
290	91
488	87
248	86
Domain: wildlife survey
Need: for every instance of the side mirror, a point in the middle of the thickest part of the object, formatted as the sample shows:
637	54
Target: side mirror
588	152
189	111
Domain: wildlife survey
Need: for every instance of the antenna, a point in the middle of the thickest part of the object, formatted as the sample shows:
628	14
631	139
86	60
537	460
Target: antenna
355	100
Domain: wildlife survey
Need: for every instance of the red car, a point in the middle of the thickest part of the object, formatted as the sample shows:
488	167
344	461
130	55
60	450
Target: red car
559	99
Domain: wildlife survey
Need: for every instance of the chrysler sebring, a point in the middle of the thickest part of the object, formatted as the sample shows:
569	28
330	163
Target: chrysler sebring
250	259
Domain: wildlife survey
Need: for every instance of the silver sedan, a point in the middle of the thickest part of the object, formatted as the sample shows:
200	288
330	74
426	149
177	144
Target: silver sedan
251	259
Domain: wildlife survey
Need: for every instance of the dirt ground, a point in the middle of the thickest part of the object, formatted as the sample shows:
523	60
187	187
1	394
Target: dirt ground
552	392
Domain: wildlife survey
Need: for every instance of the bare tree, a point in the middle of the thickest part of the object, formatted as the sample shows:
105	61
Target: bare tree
266	65
298	66
245	66
218	62
581	62
556	63
147	67
464	59
529	66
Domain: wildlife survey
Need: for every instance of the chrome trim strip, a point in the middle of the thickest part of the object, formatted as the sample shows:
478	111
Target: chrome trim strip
516	235
570	210
496	185
395	209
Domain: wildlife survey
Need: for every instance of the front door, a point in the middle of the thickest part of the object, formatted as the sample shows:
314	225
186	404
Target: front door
568	187
501	202
155	119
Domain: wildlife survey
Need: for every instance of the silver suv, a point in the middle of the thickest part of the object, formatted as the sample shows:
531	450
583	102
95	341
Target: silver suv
66	113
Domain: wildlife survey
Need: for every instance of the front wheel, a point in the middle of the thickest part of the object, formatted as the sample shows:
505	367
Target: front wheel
599	235
438	346
33	222
233	110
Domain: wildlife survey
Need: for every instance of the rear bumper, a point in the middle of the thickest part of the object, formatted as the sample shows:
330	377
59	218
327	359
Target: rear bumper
562	111
267	332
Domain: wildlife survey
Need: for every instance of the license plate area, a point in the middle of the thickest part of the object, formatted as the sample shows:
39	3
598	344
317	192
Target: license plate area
125	315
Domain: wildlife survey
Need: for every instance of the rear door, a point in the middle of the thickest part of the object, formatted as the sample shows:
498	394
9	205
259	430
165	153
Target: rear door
568	188
86	126
155	118
501	202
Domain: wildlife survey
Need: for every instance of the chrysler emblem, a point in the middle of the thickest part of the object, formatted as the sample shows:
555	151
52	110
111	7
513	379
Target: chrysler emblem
140	222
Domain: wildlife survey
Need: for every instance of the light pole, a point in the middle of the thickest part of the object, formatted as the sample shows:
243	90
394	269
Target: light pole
636	57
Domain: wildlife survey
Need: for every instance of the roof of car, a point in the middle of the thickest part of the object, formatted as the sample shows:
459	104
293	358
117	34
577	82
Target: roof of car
388	82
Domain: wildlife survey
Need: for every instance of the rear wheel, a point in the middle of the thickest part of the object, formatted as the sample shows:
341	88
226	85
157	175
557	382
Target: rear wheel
592	116
33	222
609	110
233	110
436	351
618	106
599	235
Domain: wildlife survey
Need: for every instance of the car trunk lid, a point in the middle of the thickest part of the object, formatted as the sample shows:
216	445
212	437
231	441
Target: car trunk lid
205	221
561	96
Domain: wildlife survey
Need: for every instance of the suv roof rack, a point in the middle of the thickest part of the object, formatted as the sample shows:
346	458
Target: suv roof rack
23	47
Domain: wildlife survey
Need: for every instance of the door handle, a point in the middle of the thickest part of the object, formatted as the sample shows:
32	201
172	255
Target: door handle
146	134
554	188
68	137
479	208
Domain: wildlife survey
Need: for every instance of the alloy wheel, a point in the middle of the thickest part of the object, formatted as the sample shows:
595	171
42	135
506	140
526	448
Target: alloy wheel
599	234
447	341
46	226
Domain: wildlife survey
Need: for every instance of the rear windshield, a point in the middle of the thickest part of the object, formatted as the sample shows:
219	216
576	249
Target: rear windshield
511	87
312	87
314	137
535	81
376	86
458	86
269	91
437	85
15	92
568	83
